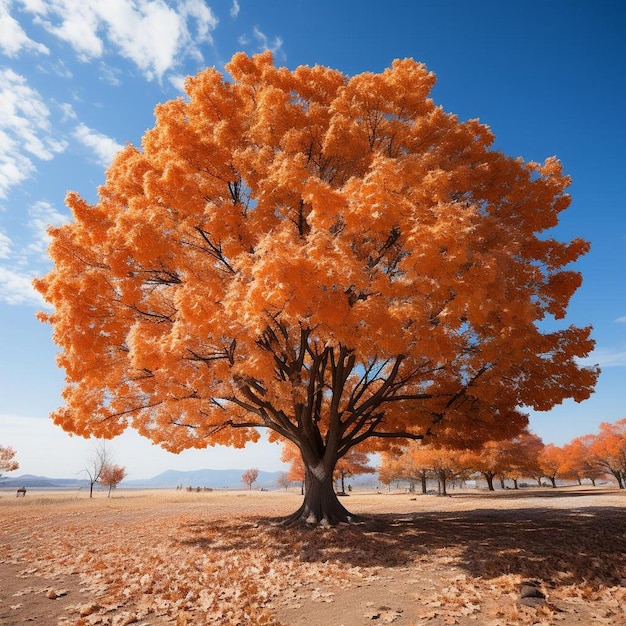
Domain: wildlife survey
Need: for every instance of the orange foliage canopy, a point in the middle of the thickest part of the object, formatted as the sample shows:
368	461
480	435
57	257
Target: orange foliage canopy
111	475
608	450
336	259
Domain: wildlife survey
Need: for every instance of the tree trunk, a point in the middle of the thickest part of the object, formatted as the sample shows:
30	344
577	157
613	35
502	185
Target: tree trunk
553	481
515	484
489	478
441	475
321	504
424	485
618	477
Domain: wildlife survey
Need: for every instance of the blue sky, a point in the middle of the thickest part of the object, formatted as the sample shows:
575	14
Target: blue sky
80	78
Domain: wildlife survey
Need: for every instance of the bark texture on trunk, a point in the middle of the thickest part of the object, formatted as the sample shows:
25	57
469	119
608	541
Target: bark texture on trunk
321	506
489	478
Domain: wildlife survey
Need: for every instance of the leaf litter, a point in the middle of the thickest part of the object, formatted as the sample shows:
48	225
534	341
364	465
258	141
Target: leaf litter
152	561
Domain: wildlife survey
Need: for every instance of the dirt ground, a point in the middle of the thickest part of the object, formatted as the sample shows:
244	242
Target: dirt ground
175	557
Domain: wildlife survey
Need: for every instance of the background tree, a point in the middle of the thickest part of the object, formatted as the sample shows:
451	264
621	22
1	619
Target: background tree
522	455
390	468
96	464
249	477
489	460
446	464
413	463
579	462
291	455
283	480
111	476
551	462
353	463
333	258
7	459
509	458
609	450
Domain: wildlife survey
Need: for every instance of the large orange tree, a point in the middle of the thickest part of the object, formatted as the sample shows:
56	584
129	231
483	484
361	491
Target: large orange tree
334	258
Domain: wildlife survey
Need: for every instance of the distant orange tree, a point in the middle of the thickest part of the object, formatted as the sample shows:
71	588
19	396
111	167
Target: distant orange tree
335	259
353	463
522	456
291	455
250	476
552	463
111	476
7	459
609	450
580	462
417	463
511	458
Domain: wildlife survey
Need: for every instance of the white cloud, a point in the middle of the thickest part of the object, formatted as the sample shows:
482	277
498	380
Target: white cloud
23	261
178	81
147	34
14	166
68	111
24	114
25	130
153	34
102	146
5	246
205	21
16	288
621	320
234	11
264	42
56	67
34	6
606	357
13	39
110	74
42	215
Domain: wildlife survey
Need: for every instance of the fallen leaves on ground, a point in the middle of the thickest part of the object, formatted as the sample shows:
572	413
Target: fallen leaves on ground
168	563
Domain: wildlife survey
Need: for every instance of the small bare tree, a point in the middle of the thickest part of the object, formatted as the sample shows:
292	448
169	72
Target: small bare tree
96	463
249	476
283	480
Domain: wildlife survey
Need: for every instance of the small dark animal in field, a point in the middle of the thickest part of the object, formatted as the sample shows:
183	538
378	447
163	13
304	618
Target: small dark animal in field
21	492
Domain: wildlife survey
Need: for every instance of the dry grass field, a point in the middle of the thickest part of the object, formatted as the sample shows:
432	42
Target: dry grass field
175	557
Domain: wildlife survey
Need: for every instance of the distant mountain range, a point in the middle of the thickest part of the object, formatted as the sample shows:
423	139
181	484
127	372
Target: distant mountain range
211	478
42	482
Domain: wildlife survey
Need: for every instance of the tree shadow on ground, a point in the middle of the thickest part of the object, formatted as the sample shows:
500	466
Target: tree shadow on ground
533	492
565	546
